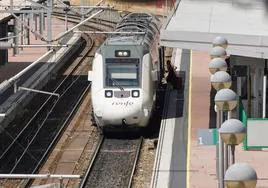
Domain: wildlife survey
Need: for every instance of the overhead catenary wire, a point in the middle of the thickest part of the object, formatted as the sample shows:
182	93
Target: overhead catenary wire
78	12
81	23
42	38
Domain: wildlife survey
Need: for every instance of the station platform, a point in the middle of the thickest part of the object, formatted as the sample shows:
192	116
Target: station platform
182	160
17	5
202	158
26	56
171	155
193	25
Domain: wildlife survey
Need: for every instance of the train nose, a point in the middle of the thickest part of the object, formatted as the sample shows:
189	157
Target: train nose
122	116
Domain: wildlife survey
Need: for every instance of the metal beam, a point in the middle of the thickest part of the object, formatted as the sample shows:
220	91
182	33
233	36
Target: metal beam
15	35
7	45
2	115
39	91
78	7
110	32
49	21
44	176
39	45
21	11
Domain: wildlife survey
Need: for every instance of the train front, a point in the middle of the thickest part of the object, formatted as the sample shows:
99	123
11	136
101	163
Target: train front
122	87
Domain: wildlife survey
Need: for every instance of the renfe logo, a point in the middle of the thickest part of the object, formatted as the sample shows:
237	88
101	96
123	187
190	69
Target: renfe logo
126	103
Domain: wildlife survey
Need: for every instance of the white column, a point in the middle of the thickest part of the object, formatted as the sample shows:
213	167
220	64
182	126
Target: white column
264	97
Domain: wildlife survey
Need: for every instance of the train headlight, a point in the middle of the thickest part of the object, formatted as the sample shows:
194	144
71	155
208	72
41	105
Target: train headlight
135	93
108	93
122	53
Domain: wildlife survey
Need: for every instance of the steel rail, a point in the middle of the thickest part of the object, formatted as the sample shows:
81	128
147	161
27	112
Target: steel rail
27	182
36	114
61	35
62	14
95	156
77	12
69	86
92	161
30	121
135	163
39	128
57	137
74	20
62	128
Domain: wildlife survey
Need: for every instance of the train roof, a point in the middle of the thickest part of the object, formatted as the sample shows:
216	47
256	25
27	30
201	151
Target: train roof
132	25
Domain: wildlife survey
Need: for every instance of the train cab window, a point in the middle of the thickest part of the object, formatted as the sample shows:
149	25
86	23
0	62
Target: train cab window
122	72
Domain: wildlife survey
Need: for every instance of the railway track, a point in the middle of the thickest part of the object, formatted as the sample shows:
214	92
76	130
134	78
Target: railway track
94	24
113	163
26	151
75	18
29	157
30	147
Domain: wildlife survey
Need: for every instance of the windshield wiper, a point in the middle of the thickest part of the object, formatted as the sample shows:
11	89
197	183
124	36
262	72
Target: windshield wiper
117	84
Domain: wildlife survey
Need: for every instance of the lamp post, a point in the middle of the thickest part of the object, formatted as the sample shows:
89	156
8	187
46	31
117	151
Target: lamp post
220	41
225	100
232	132
218	52
240	175
221	80
217	64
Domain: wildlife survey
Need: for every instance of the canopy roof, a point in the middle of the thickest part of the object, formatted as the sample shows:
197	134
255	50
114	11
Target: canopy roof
195	23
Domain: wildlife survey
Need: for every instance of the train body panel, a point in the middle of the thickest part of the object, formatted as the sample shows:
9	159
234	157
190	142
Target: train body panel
124	74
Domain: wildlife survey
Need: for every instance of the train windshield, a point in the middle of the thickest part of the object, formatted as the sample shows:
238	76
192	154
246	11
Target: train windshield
122	72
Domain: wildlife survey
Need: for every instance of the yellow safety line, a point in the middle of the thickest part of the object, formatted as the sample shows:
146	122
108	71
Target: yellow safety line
189	124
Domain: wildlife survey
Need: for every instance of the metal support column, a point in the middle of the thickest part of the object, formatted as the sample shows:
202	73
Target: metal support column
44	19
66	21
16	38
221	155
35	24
21	30
41	19
82	9
27	29
249	91
233	154
218	124
49	21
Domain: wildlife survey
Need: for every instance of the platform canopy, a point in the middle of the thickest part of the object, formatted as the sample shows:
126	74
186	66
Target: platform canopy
195	23
18	4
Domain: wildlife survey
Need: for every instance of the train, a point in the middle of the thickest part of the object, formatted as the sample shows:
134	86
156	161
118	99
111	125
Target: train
125	73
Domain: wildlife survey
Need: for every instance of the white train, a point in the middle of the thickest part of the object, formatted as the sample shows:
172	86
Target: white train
125	73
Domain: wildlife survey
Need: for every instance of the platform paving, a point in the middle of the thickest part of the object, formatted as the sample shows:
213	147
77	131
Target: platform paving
26	56
203	157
